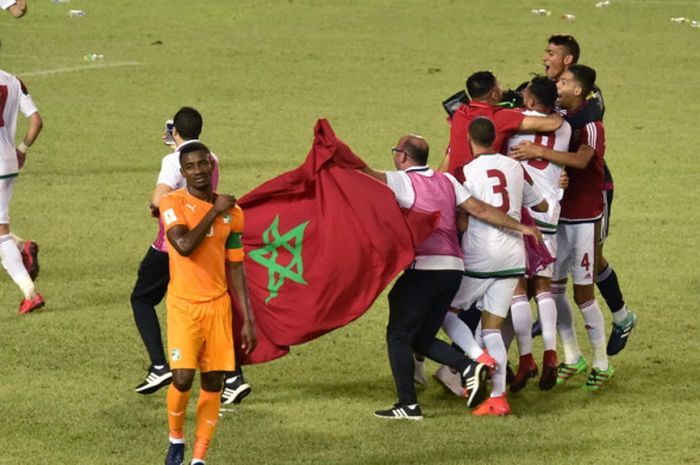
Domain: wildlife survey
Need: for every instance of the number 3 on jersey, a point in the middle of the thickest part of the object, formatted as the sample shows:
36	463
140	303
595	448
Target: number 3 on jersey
500	188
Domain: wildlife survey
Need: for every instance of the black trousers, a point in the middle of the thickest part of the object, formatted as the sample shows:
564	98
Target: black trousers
418	303
149	290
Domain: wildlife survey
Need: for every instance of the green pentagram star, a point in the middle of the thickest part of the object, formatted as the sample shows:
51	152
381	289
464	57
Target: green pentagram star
291	241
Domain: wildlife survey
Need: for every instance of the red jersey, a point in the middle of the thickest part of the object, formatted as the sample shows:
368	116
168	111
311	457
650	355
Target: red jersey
583	199
506	120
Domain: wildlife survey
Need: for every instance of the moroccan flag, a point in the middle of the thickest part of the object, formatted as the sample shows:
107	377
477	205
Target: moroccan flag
321	242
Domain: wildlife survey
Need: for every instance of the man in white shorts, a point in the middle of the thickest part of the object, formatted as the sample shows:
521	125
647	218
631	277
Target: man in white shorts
540	97
579	228
493	258
16	99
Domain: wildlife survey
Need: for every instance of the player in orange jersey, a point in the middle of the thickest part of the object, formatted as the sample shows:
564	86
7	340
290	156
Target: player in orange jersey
204	229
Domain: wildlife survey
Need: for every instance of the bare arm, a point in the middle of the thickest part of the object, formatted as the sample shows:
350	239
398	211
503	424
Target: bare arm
445	164
549	123
35	125
378	175
526	150
237	283
184	240
495	217
19	9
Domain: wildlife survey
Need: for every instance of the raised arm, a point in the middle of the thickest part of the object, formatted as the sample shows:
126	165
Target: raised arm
549	123
237	283
378	175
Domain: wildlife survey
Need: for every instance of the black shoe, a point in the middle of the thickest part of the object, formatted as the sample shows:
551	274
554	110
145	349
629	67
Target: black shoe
175	455
474	379
155	379
620	334
235	390
400	412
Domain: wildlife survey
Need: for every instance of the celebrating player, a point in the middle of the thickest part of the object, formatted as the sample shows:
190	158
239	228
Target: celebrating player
539	98
581	211
204	229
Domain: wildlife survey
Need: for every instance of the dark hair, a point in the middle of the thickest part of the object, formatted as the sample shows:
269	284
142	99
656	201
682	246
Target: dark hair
568	42
188	123
584	75
544	90
417	152
480	84
192	147
482	131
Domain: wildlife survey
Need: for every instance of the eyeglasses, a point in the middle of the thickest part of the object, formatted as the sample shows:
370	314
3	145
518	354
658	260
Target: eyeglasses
395	150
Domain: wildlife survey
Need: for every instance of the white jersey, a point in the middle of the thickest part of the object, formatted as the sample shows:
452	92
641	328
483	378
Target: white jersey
14	97
544	173
502	182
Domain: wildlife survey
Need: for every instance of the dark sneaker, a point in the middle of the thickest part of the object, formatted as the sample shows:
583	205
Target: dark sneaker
549	370
30	258
155	379
400	412
176	454
598	378
235	390
474	379
29	305
620	334
527	368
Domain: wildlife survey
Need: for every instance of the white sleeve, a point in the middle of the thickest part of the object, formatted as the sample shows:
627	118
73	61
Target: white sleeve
170	172
563	137
27	106
531	194
5	4
401	185
461	192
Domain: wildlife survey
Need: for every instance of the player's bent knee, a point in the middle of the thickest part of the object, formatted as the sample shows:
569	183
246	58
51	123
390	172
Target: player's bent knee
182	379
212	381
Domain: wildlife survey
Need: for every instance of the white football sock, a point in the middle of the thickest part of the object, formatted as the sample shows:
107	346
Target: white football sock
548	319
12	262
595	325
461	335
494	344
620	315
565	324
522	323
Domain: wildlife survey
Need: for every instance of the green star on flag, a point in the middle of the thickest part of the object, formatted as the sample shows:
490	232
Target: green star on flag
267	255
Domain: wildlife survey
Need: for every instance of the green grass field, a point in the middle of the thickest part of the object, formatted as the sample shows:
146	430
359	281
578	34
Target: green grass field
261	73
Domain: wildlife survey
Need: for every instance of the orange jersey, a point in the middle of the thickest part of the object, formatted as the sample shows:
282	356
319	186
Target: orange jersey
201	276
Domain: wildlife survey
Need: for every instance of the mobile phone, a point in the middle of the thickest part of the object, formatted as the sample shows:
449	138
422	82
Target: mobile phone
169	139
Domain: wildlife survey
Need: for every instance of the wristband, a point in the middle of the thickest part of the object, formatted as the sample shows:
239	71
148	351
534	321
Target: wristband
22	147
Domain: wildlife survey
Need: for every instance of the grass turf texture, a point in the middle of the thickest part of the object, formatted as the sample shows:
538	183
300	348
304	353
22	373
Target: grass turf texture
261	73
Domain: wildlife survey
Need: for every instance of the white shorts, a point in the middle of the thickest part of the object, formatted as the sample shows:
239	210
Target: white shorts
550	240
7	186
491	294
576	253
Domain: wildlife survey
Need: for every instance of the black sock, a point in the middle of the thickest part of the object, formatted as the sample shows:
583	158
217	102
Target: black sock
471	317
609	287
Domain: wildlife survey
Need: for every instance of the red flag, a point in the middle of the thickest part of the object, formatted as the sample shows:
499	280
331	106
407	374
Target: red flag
321	242
536	253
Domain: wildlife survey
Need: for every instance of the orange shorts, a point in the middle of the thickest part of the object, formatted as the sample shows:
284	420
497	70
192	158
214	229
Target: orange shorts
200	334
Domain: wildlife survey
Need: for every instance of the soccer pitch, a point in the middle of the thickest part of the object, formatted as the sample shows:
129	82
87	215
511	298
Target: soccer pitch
261	73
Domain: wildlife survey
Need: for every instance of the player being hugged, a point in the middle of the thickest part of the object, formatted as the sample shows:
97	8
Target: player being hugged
539	98
204	229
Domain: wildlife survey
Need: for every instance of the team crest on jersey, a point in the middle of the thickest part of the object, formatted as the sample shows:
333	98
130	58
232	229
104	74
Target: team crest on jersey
175	355
227	219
